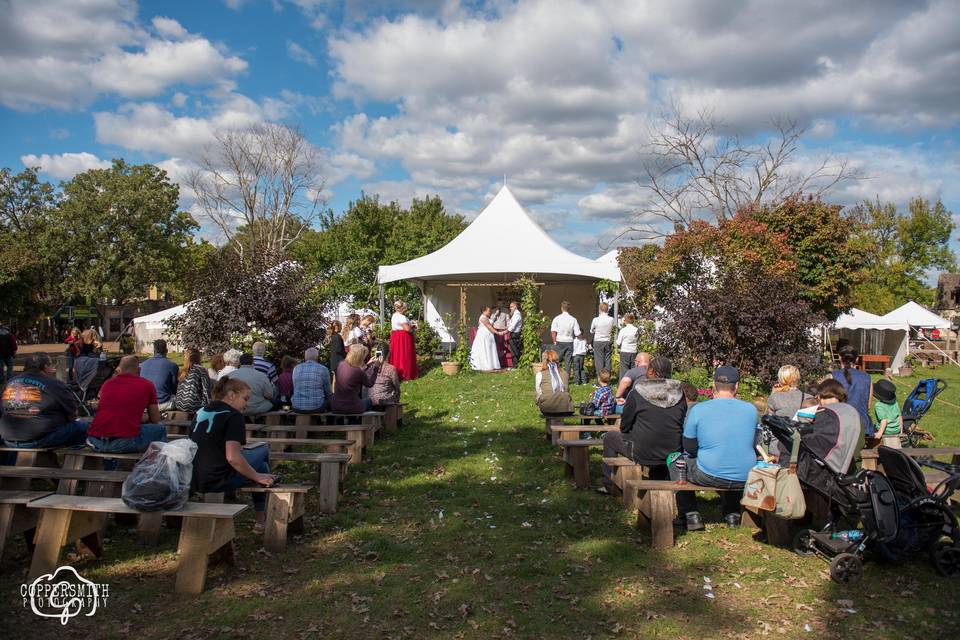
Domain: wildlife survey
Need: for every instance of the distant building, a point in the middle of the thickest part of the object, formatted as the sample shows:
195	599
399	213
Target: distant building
948	296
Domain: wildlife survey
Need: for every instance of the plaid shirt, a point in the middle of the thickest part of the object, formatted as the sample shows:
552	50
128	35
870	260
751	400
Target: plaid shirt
311	386
603	399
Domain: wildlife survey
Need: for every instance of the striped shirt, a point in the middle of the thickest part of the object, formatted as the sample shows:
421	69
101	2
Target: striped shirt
265	366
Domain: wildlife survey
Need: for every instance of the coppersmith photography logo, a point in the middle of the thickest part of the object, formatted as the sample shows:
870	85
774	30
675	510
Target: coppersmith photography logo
64	594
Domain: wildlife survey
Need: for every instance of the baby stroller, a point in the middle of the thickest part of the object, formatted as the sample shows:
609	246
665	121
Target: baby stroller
89	374
915	406
865	497
927	523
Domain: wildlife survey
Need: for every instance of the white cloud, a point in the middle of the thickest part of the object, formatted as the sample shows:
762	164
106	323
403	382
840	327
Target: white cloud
64	165
59	133
179	99
298	54
63	54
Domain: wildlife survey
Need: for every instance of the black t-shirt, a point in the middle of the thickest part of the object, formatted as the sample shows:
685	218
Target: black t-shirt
213	426
35	404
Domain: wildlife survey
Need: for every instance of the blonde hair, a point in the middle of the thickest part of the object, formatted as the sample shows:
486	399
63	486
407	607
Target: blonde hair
399	305
549	356
347	328
357	355
788	376
229	385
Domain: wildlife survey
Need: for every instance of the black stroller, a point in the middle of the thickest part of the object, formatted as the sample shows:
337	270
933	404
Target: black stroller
89	374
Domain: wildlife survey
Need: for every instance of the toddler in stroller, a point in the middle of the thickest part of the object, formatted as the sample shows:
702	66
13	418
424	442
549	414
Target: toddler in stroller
89	375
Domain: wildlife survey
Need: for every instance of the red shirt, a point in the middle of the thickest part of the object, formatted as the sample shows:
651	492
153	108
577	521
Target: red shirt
123	399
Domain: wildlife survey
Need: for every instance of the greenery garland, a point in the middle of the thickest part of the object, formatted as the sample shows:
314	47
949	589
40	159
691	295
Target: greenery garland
534	321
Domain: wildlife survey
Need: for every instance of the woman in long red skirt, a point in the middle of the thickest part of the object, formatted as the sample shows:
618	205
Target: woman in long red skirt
403	352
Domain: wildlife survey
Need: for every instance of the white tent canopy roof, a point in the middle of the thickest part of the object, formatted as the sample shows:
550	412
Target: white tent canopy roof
503	239
160	316
916	316
859	319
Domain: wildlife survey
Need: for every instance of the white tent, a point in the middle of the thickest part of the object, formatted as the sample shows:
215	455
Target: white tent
917	316
874	334
151	327
499	246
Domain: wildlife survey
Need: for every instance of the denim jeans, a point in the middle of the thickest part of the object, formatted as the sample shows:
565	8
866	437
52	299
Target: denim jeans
71	434
259	459
148	433
687	500
7	372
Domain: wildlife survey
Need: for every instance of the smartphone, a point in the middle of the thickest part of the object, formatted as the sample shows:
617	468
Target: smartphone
378	353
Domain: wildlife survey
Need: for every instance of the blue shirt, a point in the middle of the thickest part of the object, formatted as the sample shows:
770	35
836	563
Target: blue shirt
858	392
265	366
311	386
163	374
725	430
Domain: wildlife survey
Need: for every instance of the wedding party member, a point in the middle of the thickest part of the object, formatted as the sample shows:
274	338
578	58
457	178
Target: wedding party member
263	394
483	354
627	342
347	333
579	357
118	426
499	318
353	374
602	328
311	384
338	349
193	386
553	387
162	373
563	330
403	352
515	327
366	330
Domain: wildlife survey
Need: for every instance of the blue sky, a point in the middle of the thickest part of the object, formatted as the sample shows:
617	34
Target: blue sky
414	98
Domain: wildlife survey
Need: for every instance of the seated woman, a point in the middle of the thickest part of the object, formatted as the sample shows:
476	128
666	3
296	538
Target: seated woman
222	462
193	388
787	397
285	379
386	390
552	387
353	374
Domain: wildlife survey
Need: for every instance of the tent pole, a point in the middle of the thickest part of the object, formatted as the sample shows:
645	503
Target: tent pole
616	306
382	308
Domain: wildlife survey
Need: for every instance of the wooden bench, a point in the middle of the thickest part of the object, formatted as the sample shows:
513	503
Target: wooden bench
360	436
285	509
624	470
87	458
656	508
869	457
15	518
331	468
34	457
576	457
550	422
280	443
206	529
572	432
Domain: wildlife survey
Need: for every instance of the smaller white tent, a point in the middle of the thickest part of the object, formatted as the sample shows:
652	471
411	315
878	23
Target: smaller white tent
917	316
874	334
151	327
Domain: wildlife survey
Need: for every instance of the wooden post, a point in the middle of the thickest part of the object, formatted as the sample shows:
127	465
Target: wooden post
580	461
51	536
279	506
194	548
382	307
661	521
328	485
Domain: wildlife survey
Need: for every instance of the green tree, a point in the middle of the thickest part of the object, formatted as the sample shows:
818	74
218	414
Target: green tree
898	252
347	250
120	231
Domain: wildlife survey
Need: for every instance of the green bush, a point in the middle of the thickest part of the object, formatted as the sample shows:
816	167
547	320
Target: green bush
427	339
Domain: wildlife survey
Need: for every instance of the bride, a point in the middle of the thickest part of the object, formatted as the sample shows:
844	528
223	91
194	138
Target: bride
483	354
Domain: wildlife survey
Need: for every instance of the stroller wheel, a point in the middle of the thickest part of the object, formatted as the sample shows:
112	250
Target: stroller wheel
946	559
803	543
846	568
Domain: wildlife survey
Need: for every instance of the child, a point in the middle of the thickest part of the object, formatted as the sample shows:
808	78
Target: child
887	412
579	354
690	393
603	396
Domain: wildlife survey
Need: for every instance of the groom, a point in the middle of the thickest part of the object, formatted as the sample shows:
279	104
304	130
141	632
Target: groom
515	326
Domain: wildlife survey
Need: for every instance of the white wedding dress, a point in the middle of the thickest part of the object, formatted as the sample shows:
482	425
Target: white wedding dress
483	354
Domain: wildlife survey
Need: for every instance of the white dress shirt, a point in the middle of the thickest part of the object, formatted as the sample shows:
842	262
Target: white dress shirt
516	322
566	327
601	327
579	347
627	338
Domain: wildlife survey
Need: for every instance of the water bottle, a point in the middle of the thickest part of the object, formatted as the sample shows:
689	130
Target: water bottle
851	535
682	471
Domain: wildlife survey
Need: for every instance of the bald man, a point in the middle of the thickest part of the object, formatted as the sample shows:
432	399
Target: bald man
638	372
118	426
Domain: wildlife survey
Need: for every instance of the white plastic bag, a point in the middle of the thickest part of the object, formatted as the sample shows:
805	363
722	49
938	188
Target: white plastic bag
160	480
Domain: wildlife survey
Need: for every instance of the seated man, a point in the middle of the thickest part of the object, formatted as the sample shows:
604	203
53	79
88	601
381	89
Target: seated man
638	372
38	410
651	425
260	363
311	384
162	373
118	426
222	462
263	393
719	436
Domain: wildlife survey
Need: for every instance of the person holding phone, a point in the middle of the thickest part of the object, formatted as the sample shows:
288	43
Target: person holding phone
353	374
223	461
386	390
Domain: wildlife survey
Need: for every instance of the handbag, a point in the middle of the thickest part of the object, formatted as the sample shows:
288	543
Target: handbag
776	489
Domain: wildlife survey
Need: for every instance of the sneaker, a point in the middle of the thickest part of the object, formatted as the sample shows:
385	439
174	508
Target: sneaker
602	490
694	521
732	520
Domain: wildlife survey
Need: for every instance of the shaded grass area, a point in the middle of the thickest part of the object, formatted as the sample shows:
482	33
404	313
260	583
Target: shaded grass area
462	525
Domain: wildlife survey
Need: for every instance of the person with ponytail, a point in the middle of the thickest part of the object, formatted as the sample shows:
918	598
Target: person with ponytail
857	384
553	386
223	462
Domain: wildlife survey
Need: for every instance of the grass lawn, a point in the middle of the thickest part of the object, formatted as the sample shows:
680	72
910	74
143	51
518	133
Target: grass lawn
462	525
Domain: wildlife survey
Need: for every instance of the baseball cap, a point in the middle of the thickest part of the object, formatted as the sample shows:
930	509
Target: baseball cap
726	373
